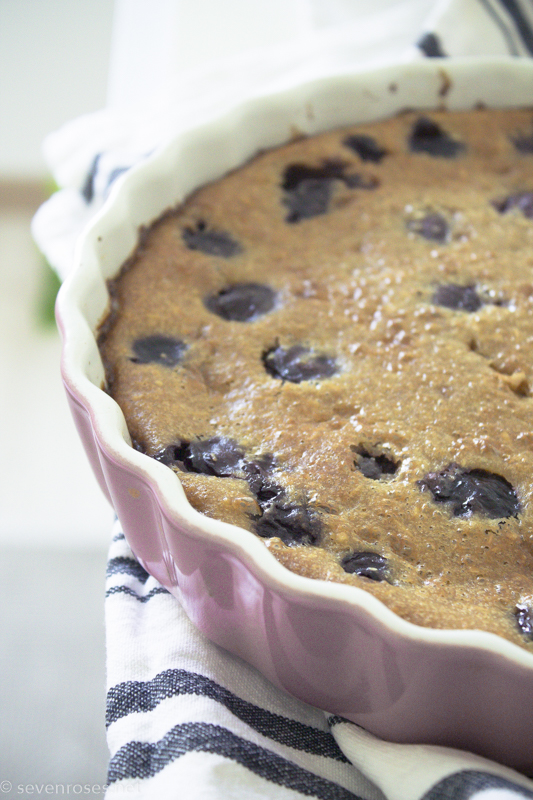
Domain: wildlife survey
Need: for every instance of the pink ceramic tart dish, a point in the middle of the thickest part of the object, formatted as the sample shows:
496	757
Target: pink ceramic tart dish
334	646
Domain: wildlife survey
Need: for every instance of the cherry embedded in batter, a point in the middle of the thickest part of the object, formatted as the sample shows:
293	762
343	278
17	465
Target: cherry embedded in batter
523	142
433	227
374	467
211	242
366	564
456	297
523	201
218	456
158	349
524	619
365	147
293	523
472	491
308	190
257	473
298	363
224	458
428	137
242	302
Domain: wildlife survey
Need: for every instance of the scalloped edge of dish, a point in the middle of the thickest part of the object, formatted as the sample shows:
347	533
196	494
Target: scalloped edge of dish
261	122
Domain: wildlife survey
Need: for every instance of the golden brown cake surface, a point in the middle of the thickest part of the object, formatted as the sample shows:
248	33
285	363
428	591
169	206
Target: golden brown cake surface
333	348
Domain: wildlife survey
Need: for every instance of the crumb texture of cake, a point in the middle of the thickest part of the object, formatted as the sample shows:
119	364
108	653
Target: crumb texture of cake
332	346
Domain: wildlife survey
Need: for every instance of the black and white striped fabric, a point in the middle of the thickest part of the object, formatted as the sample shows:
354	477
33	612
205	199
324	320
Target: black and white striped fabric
479	27
182	712
186	719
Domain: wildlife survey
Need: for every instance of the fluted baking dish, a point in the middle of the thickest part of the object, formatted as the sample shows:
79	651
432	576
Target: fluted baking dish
331	645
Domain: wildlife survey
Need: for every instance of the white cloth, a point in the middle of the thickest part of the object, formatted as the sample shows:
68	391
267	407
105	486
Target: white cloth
185	718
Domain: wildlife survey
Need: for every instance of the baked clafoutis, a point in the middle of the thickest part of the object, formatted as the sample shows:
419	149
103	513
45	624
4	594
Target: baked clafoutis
332	346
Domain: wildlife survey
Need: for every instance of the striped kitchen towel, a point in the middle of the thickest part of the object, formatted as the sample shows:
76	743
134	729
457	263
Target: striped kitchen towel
188	720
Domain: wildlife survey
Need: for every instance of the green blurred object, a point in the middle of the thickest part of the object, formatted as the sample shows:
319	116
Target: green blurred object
50	284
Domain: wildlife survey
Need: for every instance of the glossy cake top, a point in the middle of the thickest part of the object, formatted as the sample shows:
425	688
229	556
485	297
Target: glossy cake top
332	346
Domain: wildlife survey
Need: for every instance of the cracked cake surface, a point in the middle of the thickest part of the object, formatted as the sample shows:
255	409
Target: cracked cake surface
332	346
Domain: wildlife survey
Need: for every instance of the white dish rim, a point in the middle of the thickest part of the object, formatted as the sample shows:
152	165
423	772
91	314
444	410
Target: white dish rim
83	373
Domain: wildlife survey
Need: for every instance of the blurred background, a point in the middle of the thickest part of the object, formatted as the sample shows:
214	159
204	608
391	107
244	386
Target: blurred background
54	523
